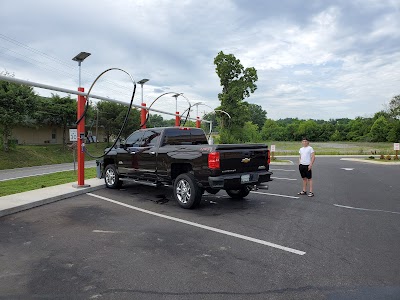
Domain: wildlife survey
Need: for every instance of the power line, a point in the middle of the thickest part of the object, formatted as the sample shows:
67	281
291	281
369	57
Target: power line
46	66
26	47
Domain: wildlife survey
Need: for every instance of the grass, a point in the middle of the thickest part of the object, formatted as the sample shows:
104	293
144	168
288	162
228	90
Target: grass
29	156
41	181
334	148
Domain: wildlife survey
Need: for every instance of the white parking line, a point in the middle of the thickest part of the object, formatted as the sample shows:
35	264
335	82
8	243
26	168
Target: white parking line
285	170
243	237
367	209
278	195
281	178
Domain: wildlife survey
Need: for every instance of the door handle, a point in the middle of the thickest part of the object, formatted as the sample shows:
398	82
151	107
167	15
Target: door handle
152	152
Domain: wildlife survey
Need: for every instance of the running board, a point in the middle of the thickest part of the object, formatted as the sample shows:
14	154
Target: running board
143	182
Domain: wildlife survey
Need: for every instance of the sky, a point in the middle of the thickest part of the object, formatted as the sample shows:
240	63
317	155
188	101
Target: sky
314	59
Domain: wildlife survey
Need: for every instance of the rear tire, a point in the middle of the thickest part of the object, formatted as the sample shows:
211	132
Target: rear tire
239	193
111	177
186	191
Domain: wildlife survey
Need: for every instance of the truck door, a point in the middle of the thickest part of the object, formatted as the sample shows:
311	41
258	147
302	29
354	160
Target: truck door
147	155
127	159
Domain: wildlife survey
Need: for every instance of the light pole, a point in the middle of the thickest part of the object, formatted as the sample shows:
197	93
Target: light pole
142	82
176	101
80	58
143	112
177	118
81	125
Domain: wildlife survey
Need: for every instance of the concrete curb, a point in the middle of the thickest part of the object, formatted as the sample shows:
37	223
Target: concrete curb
15	203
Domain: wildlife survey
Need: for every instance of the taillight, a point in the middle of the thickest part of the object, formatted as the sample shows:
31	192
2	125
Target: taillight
269	157
213	160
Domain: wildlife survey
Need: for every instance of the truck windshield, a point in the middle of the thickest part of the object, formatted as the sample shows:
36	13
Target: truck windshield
179	136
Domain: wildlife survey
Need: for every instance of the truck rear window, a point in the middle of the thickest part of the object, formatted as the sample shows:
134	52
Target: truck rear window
190	136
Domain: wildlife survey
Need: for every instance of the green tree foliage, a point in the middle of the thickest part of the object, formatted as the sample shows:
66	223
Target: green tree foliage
155	120
251	133
111	117
57	111
309	129
257	114
358	129
394	132
237	84
394	107
17	102
379	130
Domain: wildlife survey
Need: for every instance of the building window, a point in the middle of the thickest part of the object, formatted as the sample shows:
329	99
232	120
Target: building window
53	133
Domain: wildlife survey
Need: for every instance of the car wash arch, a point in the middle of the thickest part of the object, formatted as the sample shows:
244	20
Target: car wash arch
83	104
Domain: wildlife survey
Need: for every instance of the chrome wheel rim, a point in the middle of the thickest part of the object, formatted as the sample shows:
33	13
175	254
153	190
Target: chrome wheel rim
110	177
183	191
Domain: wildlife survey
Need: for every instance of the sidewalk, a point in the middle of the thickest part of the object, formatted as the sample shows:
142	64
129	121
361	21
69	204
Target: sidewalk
18	202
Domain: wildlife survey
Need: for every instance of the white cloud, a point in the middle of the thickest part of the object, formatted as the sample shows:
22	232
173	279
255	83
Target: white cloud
339	59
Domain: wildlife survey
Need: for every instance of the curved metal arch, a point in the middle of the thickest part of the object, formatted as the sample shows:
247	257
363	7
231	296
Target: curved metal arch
127	113
155	100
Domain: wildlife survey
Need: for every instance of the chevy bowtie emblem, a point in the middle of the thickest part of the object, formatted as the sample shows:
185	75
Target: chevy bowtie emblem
246	160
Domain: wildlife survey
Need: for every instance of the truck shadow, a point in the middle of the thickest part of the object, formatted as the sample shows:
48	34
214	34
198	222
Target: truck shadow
217	204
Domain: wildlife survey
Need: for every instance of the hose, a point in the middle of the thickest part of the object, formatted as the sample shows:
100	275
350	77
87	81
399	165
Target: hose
126	116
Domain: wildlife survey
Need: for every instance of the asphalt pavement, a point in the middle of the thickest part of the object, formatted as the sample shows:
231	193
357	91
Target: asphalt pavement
137	243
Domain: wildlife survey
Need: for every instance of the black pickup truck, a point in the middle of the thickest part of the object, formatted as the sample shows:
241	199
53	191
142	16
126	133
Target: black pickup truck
182	157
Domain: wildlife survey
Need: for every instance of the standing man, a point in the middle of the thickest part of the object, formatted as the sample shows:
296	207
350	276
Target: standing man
306	161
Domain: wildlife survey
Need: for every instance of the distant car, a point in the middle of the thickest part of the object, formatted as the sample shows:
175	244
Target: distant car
183	158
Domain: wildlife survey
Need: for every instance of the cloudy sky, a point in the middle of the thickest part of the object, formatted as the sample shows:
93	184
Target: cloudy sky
315	59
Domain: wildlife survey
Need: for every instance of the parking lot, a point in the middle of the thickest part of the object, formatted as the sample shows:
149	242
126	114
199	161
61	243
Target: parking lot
137	243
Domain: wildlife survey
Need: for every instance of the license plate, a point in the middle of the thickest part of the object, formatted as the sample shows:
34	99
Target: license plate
245	178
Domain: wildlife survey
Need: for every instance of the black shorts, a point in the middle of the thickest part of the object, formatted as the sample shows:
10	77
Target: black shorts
304	172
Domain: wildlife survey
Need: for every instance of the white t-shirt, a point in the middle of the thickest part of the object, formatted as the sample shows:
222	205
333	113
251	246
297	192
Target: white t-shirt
305	155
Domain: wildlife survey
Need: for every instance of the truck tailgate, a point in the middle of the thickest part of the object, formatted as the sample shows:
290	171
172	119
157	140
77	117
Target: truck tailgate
241	158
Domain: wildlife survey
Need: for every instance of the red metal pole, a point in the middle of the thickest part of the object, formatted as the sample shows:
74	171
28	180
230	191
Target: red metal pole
198	123
177	119
81	139
143	113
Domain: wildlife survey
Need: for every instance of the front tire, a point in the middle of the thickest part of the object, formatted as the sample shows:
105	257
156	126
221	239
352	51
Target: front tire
239	193
111	177
186	191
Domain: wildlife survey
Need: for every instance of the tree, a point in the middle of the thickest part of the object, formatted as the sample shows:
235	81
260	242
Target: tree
379	130
237	84
57	111
394	107
257	115
111	117
394	132
17	102
336	136
251	133
268	129
309	129
155	120
359	128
